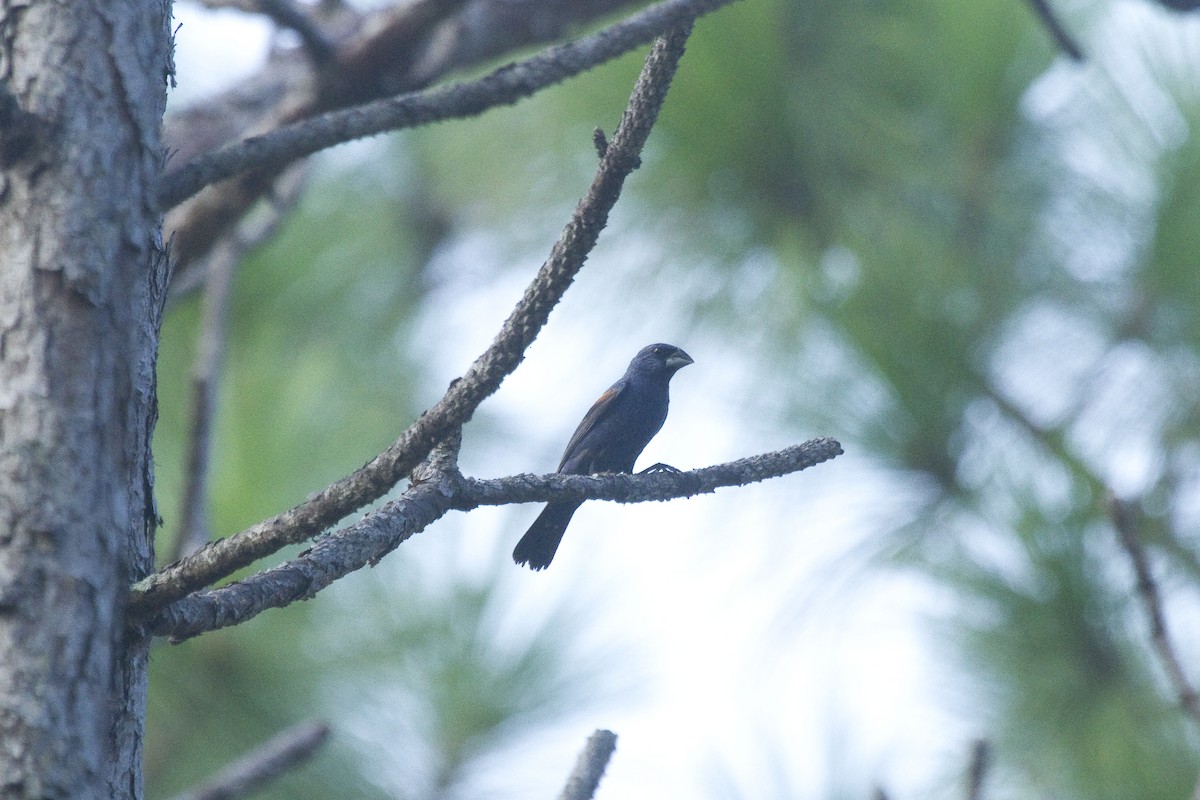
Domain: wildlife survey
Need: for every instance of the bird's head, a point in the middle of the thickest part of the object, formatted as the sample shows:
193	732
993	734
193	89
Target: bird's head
660	359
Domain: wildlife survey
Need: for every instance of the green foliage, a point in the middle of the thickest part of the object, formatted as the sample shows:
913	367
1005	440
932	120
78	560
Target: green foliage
1056	672
437	685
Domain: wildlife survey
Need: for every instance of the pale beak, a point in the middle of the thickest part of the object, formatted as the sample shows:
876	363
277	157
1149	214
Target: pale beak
679	359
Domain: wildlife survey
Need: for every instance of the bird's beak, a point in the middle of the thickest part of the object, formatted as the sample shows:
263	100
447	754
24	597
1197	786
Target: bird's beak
679	359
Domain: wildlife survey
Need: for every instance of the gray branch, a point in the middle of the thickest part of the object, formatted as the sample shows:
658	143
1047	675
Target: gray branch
224	557
283	752
1125	519
437	490
589	769
981	759
219	268
402	47
502	87
625	488
1057	30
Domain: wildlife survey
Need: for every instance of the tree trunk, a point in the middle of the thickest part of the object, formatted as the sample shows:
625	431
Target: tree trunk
82	278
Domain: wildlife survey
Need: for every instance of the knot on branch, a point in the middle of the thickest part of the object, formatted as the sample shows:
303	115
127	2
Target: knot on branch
600	140
441	465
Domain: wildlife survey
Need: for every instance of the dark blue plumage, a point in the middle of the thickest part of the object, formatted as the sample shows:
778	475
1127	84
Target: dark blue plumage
609	439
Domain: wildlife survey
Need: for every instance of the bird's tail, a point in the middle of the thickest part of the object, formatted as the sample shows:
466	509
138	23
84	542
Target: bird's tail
540	542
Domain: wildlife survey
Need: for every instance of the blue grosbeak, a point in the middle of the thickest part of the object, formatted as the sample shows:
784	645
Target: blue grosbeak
610	438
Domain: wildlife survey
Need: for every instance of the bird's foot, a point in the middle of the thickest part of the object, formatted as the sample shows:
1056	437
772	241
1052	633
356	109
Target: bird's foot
654	469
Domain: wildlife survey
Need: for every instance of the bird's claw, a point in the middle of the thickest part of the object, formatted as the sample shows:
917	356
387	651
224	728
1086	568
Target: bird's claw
660	467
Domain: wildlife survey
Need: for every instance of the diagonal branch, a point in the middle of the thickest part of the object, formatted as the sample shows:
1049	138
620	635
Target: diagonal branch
501	87
287	14
219	268
1057	30
283	752
436	491
1124	518
225	556
400	46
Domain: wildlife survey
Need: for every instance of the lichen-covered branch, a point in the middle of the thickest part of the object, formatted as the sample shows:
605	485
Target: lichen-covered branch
224	557
624	488
436	492
504	86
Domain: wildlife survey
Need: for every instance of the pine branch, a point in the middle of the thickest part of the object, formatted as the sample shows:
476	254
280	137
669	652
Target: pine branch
590	766
280	754
224	557
504	86
1124	518
981	759
437	489
219	269
625	488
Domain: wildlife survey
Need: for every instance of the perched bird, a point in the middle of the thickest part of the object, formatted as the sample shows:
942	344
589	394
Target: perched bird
610	438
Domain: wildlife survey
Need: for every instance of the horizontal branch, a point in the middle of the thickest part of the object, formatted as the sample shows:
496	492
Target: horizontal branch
625	488
504	86
380	532
224	557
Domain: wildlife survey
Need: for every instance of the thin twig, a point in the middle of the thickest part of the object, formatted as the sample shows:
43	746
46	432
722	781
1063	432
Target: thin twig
1124	520
287	14
1124	517
403	46
504	86
435	491
590	766
283	752
250	6
981	757
193	528
1052	24
223	557
252	231
220	267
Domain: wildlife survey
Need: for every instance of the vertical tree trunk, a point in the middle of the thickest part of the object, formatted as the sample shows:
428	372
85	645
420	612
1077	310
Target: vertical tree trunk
81	284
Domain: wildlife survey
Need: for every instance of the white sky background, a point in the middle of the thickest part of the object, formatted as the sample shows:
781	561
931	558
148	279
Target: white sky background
760	642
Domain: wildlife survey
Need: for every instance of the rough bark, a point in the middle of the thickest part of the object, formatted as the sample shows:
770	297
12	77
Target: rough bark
82	279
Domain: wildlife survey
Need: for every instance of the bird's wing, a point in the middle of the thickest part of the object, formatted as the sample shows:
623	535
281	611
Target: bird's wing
576	449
